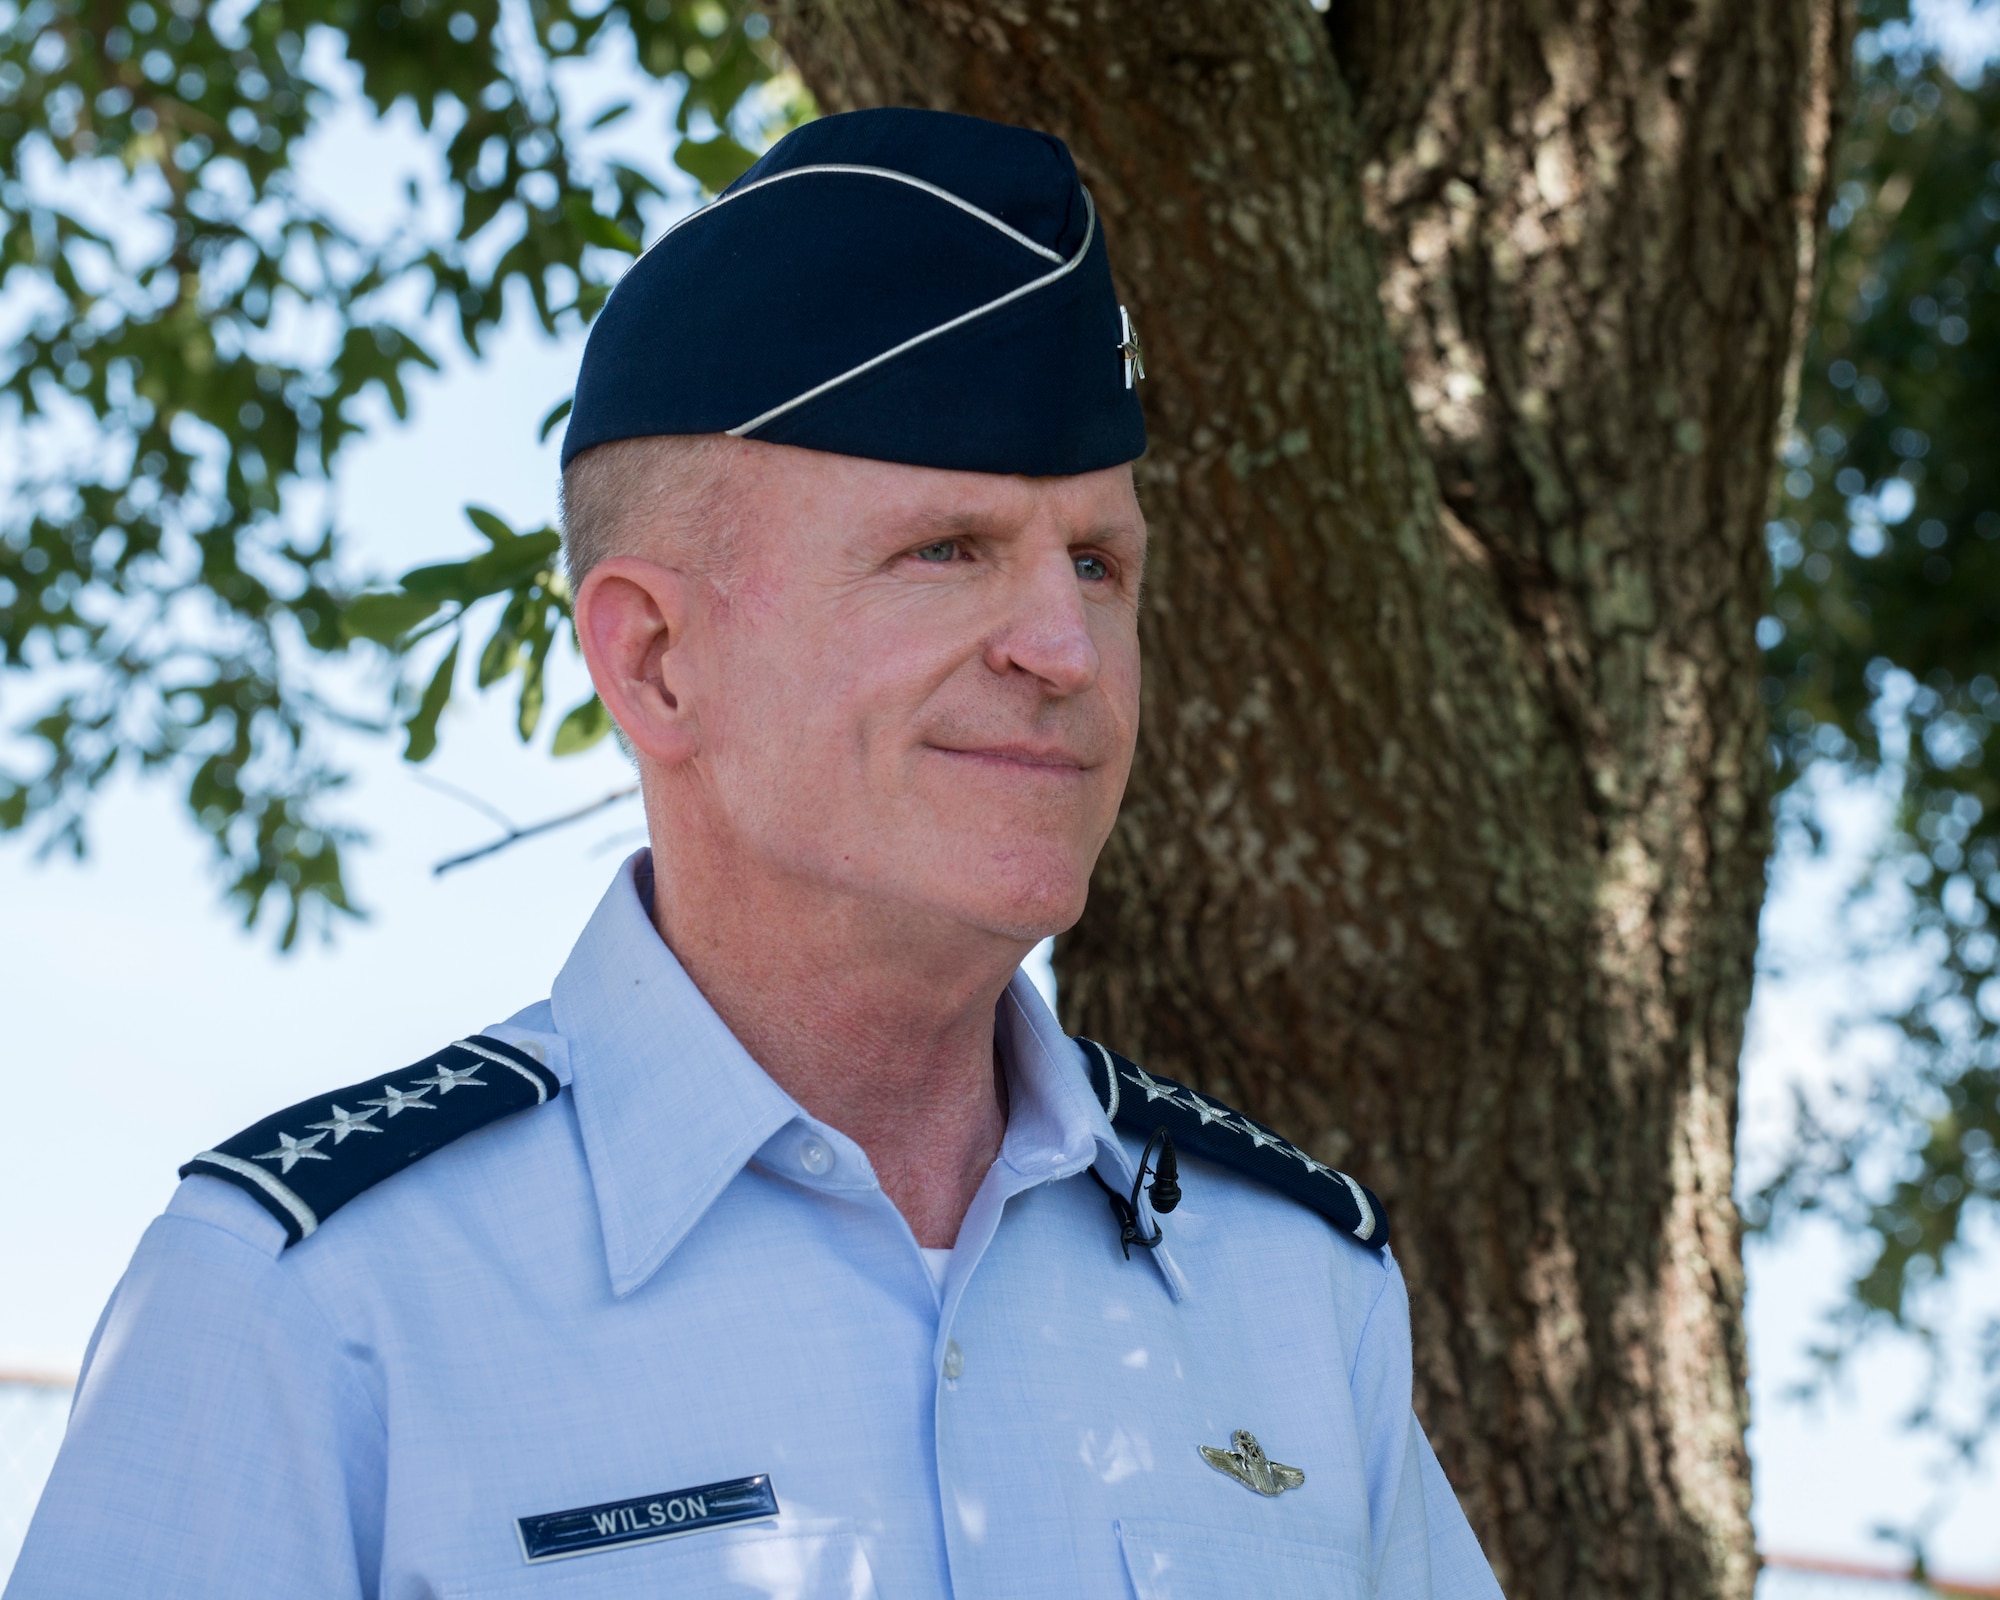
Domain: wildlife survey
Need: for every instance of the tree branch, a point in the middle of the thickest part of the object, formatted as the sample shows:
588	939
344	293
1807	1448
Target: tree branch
515	835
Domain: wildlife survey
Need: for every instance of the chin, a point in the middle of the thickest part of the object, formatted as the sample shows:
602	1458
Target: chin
1003	871
1025	899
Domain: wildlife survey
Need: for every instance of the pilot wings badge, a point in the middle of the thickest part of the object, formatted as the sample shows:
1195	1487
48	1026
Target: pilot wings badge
1249	1466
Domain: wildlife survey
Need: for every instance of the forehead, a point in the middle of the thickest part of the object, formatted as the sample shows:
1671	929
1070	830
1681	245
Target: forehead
788	487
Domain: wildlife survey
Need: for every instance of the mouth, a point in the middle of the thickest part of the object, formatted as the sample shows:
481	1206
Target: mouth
1052	760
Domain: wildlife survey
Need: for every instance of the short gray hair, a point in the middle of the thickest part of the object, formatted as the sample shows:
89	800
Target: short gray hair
618	496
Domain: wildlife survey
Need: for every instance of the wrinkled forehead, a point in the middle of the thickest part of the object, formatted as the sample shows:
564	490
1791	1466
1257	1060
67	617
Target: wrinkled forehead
832	499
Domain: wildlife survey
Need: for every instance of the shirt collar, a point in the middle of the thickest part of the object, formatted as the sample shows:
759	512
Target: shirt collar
1055	1125
672	1107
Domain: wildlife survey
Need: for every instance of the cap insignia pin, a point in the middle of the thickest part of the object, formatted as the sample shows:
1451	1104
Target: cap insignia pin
1129	348
1249	1466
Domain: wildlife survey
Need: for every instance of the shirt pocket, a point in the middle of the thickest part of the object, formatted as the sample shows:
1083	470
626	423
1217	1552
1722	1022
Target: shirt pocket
1187	1561
804	1561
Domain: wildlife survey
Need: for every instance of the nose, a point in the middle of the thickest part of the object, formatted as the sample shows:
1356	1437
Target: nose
1046	629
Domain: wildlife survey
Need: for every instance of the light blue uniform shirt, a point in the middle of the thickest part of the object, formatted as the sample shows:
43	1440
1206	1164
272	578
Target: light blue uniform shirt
671	1276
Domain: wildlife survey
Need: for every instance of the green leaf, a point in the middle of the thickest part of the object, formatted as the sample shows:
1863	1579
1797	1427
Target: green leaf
385	615
598	229
531	698
610	114
490	524
423	724
494	572
549	422
716	162
502	651
582	728
517	563
446	580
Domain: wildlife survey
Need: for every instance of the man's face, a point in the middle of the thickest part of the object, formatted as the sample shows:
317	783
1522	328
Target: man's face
921	687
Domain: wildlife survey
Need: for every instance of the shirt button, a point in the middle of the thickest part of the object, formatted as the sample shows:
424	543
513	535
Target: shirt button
954	1359
815	1157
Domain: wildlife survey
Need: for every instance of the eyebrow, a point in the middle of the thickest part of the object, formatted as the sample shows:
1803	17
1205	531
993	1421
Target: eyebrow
973	524
964	523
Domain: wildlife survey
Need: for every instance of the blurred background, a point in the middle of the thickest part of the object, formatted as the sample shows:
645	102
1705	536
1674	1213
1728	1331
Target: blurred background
227	789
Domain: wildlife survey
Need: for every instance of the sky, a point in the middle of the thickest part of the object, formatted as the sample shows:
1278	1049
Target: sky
143	1024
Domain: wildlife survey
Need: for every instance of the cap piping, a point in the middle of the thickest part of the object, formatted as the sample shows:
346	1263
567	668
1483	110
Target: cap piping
744	429
851	170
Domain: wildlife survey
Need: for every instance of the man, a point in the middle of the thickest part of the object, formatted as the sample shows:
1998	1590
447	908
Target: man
790	1248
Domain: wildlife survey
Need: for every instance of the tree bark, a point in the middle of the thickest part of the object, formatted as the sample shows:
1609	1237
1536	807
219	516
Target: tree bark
1470	326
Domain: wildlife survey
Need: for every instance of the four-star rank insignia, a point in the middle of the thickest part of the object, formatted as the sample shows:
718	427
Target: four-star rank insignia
1141	1103
309	1160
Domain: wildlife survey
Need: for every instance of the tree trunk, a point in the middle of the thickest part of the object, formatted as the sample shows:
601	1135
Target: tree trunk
1469	326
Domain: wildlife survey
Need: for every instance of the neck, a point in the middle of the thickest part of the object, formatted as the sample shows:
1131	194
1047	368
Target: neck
878	1023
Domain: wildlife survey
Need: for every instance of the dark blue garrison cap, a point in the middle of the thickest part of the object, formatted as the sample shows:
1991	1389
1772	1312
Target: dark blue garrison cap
906	285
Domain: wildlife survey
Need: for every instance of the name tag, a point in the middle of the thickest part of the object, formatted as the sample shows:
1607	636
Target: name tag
648	1517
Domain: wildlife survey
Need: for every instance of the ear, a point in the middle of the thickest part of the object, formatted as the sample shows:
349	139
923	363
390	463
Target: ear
632	621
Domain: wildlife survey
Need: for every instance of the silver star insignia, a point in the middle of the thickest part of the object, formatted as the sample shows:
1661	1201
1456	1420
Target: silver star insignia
1155	1090
1249	1466
1259	1139
342	1123
395	1100
1128	348
1208	1110
445	1080
291	1152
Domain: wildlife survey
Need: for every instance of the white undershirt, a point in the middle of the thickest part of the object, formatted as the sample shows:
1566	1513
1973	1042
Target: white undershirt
939	1261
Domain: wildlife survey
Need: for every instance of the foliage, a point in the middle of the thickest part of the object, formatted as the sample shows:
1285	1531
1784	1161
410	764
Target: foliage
1884	658
199	339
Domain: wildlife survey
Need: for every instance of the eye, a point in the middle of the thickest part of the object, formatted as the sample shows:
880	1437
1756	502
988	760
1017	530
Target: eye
941	551
1092	569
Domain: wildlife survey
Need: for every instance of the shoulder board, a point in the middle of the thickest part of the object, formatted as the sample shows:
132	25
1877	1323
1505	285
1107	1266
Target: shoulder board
1139	1103
307	1161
